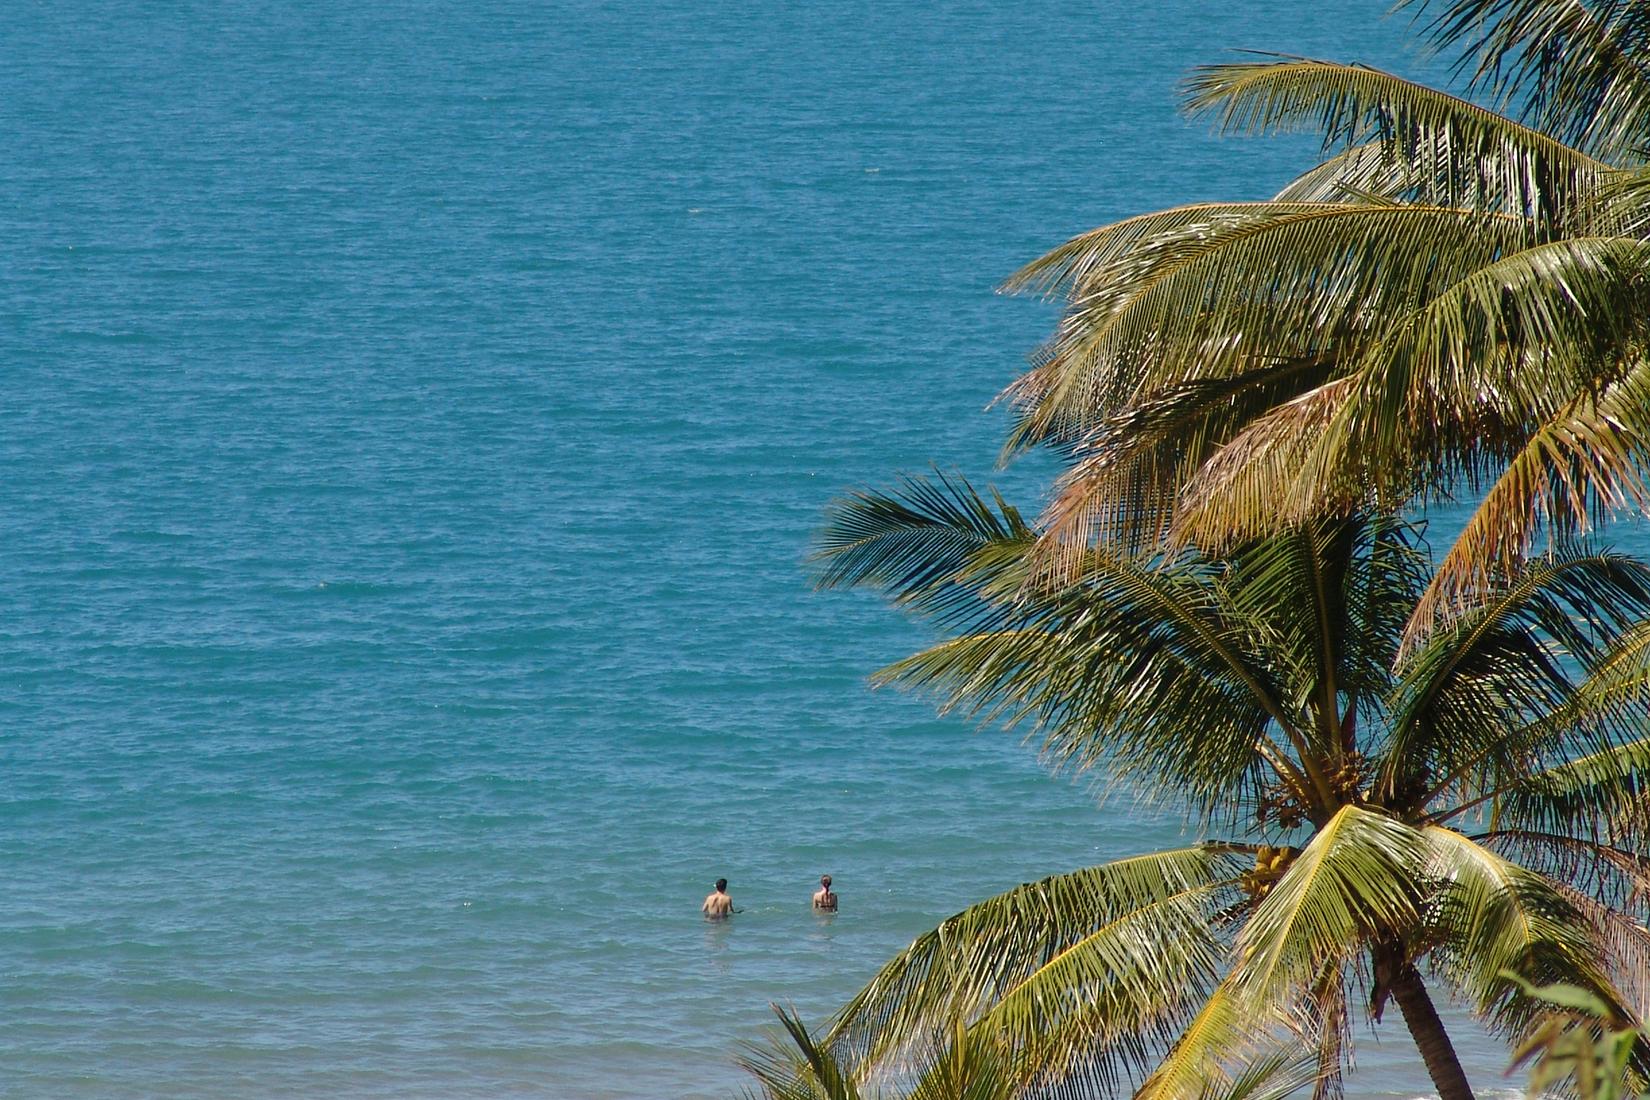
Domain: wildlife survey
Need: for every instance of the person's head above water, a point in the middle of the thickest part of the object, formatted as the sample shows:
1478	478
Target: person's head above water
825	881
721	886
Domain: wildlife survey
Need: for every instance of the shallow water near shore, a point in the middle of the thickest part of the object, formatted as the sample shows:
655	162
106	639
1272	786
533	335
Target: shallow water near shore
415	421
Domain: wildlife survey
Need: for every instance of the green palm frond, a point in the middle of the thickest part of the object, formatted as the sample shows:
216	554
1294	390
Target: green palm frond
1274	1076
1454	387
1326	1006
1359	874
1488	915
793	1065
1608	887
1614	876
1492	348
1364	171
1624	945
1077	924
1624	202
1230	1051
1133	668
934	544
1597	788
1088	257
1198	1063
1122	486
971	1066
1581	1044
1266	289
1580	68
1585	463
1449	151
1473	698
1110	1002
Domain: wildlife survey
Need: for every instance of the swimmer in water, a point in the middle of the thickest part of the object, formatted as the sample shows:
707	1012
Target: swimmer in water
824	900
718	906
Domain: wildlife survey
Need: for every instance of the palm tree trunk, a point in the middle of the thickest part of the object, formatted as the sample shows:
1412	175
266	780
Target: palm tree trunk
1429	1034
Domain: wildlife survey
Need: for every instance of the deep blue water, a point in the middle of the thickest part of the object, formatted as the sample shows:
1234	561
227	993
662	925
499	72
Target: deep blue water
414	421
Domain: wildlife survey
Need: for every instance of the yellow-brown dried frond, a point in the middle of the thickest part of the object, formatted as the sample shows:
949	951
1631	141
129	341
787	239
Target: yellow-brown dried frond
1587	462
1285	468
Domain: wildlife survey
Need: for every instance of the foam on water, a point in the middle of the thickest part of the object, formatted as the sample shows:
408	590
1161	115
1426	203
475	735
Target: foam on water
415	417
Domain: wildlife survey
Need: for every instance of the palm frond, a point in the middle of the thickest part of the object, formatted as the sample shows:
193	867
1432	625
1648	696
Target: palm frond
924	544
1488	915
1122	488
1624	945
1588	461
973	1065
1451	152
1086	258
1597	789
1624	202
1230	1052
1368	172
1134	668
978	957
1453	387
1269	288
1272	1076
1327	1004
1612	875
1197	1064
1359	874
1112	1001
1255	483
1473	700
793	1065
1578	68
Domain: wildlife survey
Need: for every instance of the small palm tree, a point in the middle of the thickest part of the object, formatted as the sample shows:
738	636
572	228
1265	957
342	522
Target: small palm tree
1455	299
1458	808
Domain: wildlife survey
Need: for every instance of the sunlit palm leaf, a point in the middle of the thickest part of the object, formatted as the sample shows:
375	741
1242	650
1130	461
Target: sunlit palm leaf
1449	151
793	1065
1088	257
1475	698
1272	288
1367	171
1114	999
1359	874
983	954
1586	462
1598	788
1455	388
1577	67
925	544
1489	916
1132	667
1227	1051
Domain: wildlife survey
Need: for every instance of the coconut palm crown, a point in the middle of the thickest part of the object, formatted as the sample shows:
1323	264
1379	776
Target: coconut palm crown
1387	819
1455	300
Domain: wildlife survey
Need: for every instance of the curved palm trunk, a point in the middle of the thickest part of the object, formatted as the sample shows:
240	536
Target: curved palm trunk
1429	1034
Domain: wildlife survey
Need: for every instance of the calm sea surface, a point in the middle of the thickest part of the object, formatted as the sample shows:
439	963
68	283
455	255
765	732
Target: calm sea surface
414	420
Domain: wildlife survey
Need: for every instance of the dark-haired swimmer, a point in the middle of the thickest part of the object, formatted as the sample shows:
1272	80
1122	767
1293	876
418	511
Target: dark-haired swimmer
718	906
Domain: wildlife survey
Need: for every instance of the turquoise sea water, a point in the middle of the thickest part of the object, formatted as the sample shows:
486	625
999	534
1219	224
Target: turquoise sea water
415	417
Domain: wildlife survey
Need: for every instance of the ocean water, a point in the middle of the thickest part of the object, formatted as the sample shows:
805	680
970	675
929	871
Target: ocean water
414	421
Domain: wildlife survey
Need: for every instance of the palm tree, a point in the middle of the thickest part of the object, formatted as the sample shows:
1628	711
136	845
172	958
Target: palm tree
1454	300
1383	812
